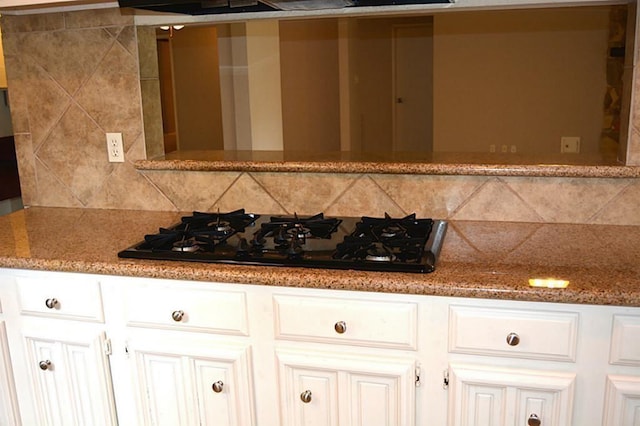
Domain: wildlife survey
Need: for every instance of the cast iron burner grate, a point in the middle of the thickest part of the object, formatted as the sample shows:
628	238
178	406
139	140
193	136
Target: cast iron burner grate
405	244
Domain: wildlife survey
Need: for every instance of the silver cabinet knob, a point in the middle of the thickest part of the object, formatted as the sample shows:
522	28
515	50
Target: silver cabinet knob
340	327
306	396
534	420
44	365
177	315
217	386
513	339
51	303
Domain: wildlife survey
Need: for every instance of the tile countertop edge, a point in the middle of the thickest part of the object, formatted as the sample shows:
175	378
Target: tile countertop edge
474	285
532	170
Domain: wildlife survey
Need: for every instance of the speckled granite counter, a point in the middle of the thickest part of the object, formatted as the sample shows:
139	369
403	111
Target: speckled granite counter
470	164
479	259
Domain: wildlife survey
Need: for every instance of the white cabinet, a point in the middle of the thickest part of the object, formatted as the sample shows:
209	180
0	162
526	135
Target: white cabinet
68	374
59	350
188	353
500	396
172	352
189	380
323	382
323	388
9	414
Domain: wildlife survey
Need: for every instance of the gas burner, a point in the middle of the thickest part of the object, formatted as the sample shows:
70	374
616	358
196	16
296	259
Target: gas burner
190	245
392	231
290	234
378	253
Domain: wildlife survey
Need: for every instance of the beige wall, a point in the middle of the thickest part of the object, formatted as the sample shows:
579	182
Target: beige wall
480	59
310	86
197	89
74	76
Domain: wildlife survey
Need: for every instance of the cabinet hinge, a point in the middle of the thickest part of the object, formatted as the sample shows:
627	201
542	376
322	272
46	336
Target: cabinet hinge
106	346
417	376
445	379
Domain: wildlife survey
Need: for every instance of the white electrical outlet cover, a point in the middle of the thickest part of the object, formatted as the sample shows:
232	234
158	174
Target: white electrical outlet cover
115	148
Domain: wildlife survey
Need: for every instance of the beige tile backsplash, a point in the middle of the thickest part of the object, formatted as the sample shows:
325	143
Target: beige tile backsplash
74	76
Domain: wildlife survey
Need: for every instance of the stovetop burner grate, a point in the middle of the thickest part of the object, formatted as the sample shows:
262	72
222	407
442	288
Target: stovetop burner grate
406	244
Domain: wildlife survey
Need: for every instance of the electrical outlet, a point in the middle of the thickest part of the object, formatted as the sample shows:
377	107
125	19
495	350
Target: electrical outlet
115	149
514	149
570	144
492	147
504	148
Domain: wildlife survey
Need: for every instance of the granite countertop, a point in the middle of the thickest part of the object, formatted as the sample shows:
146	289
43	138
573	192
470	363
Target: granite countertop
442	163
479	259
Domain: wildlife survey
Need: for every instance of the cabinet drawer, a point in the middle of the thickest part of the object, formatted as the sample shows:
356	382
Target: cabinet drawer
547	335
354	322
625	340
187	308
61	296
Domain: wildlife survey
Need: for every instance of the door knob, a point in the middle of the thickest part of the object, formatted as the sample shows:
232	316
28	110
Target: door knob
44	365
534	420
513	339
306	396
217	386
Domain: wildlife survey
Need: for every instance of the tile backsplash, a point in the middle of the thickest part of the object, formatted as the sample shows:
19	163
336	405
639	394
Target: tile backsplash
74	76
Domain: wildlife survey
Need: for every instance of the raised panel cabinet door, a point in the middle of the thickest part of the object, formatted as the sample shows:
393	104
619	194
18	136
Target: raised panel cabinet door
622	401
70	379
327	388
9	415
191	381
490	396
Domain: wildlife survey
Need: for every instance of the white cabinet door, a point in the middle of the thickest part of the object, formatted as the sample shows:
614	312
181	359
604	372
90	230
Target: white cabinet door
69	375
488	396
622	401
9	415
334	389
191	380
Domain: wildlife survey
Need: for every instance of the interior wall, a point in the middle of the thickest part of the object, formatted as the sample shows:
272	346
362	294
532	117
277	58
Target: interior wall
196	80
479	56
309	68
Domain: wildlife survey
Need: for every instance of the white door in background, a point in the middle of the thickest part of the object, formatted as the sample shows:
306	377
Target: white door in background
413	87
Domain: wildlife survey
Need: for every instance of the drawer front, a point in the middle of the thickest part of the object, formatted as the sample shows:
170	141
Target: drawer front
61	296
187	308
353	322
625	340
546	335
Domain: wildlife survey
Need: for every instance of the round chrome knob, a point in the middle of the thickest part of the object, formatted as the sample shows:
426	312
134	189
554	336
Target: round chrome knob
44	365
340	327
534	420
513	339
217	386
177	315
306	396
51	303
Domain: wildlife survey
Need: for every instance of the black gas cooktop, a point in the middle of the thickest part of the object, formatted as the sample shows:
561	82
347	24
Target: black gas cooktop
406	244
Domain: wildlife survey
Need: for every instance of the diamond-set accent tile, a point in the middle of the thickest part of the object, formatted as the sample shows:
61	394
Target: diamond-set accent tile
46	101
248	194
51	191
64	54
624	208
193	190
125	188
112	95
566	200
429	196
364	198
75	149
496	201
306	193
